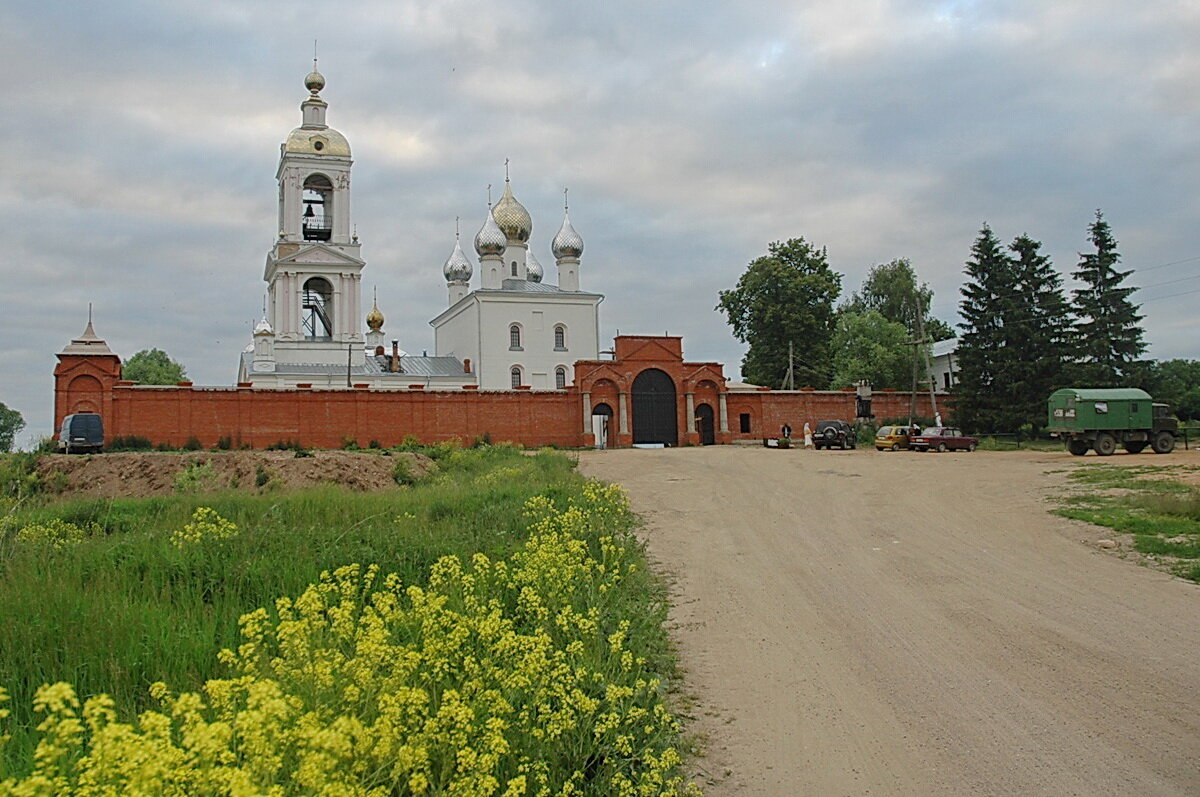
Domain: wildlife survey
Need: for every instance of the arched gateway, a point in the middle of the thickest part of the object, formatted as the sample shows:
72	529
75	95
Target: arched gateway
654	409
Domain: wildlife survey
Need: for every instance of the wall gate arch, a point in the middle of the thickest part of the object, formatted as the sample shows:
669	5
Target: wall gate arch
655	412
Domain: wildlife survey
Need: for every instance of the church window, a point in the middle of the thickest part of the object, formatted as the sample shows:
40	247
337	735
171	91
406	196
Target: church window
514	268
560	377
514	338
515	374
560	337
317	218
317	307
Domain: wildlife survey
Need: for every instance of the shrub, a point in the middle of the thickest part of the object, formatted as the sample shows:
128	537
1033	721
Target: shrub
224	443
197	477
55	534
192	444
206	527
261	476
129	443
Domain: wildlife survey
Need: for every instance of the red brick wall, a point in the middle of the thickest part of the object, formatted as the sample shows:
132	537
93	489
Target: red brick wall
327	418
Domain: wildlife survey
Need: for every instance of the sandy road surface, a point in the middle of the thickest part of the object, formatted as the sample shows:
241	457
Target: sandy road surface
896	623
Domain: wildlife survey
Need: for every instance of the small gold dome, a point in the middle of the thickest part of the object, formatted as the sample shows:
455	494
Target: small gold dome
512	217
314	82
375	318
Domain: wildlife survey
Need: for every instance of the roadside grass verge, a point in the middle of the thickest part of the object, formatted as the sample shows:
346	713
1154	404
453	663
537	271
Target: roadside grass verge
1160	513
534	609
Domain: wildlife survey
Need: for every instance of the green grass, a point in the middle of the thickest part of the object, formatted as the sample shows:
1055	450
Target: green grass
126	607
1161	514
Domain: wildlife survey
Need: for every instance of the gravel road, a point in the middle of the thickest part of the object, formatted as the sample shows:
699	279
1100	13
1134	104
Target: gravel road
896	623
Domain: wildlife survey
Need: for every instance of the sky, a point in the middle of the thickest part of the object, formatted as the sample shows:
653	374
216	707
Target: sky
138	172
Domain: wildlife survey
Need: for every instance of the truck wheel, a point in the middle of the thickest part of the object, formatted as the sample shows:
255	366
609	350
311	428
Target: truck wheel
1135	446
1164	443
1077	447
1105	444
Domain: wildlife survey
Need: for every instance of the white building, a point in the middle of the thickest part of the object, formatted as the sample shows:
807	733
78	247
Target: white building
943	365
513	331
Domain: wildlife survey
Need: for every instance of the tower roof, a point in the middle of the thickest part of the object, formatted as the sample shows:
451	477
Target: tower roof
512	216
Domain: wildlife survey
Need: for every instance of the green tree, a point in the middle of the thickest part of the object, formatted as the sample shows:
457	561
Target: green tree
1174	382
786	296
153	367
891	289
11	424
989	359
1041	330
868	346
1110	331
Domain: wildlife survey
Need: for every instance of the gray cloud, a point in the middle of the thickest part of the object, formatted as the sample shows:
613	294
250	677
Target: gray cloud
143	139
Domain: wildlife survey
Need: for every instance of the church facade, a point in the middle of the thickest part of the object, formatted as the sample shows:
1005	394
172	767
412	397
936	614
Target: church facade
516	358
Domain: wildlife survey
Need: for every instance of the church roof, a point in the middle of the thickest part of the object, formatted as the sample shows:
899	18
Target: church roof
529	286
375	366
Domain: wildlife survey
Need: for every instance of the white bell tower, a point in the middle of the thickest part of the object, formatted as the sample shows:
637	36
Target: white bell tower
314	271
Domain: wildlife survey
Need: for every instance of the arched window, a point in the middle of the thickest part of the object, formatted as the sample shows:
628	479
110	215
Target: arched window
514	268
515	373
514	337
317	221
560	377
317	307
560	337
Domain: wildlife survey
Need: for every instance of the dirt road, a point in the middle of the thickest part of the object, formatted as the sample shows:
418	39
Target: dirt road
895	623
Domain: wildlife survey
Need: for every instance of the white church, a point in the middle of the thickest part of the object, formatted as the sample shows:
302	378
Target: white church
512	331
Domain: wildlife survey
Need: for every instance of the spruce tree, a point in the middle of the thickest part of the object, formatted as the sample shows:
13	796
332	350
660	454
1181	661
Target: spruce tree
988	363
1041	330
1110	331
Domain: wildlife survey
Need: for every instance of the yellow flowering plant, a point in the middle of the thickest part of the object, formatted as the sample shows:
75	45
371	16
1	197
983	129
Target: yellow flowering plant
498	677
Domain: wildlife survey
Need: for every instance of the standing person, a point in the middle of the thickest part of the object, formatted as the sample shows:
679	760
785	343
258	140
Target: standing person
786	432
807	435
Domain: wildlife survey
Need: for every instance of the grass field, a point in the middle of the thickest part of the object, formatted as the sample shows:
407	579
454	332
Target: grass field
1160	512
557	624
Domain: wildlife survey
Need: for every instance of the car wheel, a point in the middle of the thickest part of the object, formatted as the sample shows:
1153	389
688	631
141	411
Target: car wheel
1164	443
971	446
941	448
1105	444
895	446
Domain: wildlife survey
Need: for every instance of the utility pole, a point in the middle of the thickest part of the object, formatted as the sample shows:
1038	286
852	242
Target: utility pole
789	381
925	356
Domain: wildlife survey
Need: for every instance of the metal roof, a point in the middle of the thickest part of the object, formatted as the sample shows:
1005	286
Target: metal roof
1105	393
375	366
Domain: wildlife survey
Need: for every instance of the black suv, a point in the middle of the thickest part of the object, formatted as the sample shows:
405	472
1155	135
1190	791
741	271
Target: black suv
834	434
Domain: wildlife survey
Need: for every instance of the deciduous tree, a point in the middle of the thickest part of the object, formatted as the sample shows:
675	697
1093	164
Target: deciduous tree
892	290
786	296
153	367
868	346
11	424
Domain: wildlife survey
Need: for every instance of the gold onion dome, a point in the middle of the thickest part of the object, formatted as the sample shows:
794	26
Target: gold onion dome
533	269
458	267
567	243
314	82
490	240
512	217
375	318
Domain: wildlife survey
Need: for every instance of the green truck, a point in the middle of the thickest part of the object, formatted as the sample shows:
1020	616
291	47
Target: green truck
1102	418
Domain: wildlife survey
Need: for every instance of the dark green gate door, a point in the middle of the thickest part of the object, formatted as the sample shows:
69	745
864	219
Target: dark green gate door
704	424
654	419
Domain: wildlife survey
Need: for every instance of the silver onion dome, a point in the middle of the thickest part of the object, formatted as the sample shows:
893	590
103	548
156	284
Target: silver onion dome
512	217
567	243
533	269
490	240
458	268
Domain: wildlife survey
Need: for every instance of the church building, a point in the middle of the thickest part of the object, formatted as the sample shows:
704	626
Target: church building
515	331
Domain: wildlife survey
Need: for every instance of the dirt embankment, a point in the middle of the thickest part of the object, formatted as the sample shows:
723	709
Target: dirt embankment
137	474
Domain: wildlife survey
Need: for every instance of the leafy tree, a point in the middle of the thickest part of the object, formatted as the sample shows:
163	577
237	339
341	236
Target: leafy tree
891	289
11	424
1110	332
1175	382
1041	330
989	359
868	346
153	367
784	297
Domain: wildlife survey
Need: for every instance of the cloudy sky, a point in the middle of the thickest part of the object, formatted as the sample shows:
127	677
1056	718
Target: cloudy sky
143	138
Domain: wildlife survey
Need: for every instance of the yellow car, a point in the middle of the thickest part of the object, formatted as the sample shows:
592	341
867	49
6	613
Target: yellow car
892	438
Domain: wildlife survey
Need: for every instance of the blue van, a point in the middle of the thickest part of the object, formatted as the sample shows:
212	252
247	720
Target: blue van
81	433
